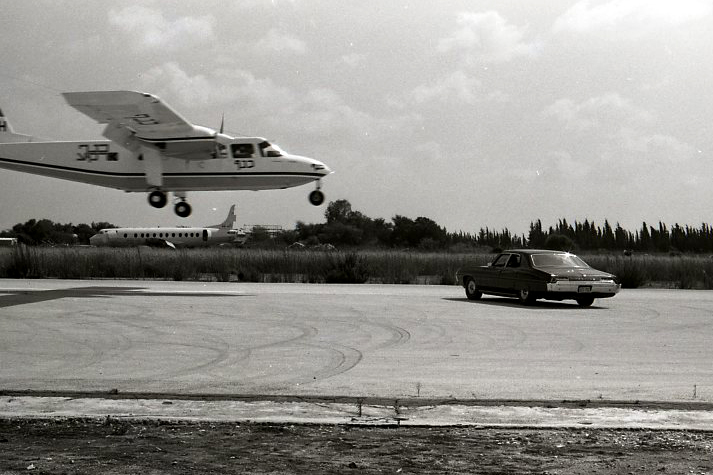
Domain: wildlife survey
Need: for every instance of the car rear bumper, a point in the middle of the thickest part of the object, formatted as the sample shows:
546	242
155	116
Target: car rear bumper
583	287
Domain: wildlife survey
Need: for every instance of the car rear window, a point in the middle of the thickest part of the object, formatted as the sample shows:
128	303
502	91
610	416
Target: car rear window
557	260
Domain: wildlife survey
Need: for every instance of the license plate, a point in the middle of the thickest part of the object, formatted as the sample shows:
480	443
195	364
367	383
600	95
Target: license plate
584	289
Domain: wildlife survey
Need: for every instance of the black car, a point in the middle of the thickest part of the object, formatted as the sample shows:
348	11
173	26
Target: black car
531	274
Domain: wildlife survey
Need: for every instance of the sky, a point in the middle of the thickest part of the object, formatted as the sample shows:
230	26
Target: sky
472	113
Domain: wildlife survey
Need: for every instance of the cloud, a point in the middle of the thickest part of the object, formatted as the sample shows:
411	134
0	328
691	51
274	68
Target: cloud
220	86
150	29
658	147
487	37
601	112
458	85
281	43
353	60
631	16
317	113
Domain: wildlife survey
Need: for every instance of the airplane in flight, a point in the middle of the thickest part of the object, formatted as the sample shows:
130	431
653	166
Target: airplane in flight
151	148
213	235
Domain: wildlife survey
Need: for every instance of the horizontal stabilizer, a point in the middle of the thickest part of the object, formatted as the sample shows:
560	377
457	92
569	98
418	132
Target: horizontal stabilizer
7	135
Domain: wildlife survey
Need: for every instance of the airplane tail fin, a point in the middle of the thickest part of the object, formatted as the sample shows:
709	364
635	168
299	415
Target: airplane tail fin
7	135
229	220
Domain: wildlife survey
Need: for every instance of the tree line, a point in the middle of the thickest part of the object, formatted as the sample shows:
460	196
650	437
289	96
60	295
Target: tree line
589	236
346	227
44	231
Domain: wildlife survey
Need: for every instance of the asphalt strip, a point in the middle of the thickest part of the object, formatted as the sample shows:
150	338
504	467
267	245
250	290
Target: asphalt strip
296	412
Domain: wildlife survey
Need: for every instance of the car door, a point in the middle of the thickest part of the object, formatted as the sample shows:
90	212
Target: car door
511	273
495	279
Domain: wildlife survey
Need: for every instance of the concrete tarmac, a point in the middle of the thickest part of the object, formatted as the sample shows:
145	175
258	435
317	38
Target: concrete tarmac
382	341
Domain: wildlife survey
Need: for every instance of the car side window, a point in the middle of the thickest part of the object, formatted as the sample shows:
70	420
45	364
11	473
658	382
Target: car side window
501	260
514	261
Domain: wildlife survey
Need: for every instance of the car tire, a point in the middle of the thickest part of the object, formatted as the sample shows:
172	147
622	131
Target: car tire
585	301
471	290
525	297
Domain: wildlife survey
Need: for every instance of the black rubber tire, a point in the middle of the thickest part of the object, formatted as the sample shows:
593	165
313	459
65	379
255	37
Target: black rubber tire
182	209
316	198
158	199
525	297
471	290
585	301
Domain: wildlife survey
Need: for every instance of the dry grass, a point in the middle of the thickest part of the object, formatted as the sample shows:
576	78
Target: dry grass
255	265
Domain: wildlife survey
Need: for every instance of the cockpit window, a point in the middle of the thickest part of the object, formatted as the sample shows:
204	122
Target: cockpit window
242	150
270	150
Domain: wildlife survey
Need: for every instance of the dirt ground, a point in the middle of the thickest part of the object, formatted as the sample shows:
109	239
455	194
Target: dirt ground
79	446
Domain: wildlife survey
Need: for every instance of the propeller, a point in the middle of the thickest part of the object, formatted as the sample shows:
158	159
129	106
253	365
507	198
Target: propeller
216	153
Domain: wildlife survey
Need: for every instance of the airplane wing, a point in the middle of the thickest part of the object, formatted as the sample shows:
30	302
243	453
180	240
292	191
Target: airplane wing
139	112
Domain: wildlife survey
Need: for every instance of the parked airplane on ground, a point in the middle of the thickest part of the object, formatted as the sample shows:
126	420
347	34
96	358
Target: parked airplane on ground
152	148
216	234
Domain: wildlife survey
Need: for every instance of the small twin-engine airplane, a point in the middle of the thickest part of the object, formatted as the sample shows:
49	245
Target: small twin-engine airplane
213	235
152	148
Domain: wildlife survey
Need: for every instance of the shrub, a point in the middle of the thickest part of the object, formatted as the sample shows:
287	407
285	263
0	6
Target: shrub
347	269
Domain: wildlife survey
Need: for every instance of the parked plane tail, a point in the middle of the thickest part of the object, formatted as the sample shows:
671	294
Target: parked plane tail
7	135
229	220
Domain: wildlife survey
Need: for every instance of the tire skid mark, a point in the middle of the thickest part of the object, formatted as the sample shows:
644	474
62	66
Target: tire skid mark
343	358
398	336
148	337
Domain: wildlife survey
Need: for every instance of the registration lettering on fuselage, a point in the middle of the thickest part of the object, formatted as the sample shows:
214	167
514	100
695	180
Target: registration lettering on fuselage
241	164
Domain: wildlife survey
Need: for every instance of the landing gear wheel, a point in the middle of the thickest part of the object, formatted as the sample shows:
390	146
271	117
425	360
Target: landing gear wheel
525	297
471	290
585	301
316	197
157	199
182	209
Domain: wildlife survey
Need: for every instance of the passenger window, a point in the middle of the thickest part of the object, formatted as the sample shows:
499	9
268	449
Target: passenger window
221	151
501	260
243	150
514	260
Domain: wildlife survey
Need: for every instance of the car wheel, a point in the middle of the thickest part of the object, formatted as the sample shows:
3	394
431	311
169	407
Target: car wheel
471	290
525	297
585	301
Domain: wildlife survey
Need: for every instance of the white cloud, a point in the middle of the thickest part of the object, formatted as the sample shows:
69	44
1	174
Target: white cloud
459	86
487	37
322	112
631	16
319	112
150	29
354	59
658	147
604	112
218	87
281	42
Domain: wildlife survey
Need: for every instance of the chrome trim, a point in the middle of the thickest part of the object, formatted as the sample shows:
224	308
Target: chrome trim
572	286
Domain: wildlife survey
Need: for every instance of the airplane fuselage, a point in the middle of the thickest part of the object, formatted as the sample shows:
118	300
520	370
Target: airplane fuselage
239	165
151	148
180	237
